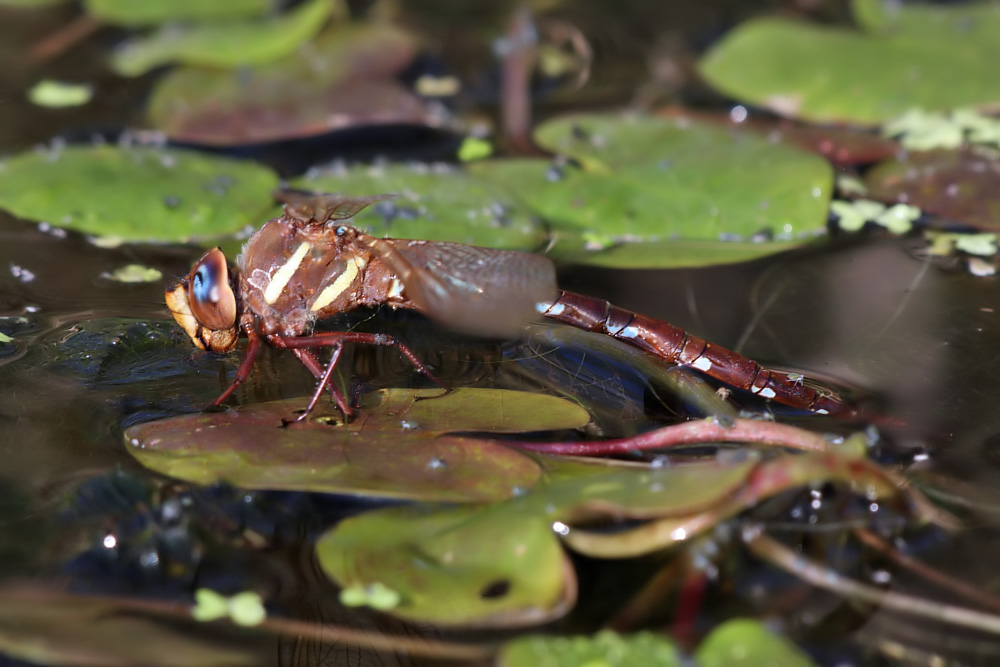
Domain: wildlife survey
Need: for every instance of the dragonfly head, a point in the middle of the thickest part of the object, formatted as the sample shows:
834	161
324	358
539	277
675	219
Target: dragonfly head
204	303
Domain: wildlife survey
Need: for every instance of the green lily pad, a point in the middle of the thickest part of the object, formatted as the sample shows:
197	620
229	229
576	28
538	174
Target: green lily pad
463	567
228	45
935	58
434	203
747	643
655	192
605	649
344	78
150	12
137	194
393	448
956	185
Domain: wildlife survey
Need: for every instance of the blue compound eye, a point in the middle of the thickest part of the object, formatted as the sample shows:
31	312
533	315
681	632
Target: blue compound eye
210	296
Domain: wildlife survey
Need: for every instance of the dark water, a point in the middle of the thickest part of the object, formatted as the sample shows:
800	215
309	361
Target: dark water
91	356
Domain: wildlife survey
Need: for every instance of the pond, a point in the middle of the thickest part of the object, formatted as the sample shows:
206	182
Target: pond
504	488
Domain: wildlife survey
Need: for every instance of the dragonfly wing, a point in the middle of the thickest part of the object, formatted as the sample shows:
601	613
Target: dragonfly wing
319	208
476	290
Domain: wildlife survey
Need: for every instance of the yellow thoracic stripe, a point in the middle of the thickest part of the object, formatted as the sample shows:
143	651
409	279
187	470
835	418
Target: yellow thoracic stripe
281	277
342	282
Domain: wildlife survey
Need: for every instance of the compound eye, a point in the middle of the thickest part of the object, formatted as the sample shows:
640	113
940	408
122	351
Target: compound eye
210	296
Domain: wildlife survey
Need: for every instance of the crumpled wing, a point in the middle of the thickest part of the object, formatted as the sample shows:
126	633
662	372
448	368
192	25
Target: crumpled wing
466	288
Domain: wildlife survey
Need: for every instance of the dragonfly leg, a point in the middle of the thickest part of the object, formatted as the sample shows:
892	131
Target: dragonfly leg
243	372
333	338
310	361
324	381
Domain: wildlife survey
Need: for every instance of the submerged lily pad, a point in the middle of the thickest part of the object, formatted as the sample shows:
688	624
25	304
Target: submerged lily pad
957	185
150	12
344	78
136	194
468	566
655	192
919	56
437	203
394	448
228	45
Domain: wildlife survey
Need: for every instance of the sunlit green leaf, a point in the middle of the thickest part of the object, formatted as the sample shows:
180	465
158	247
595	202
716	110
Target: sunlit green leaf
747	643
138	193
659	192
933	57
230	45
151	12
345	77
470	566
605	649
437	203
393	448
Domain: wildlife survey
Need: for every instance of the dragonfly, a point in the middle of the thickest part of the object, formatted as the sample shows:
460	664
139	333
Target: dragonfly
309	264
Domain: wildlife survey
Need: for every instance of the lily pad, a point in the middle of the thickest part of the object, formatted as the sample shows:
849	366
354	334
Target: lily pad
654	192
137	194
605	649
464	567
958	185
344	78
746	643
437	203
227	45
935	58
151	12
394	448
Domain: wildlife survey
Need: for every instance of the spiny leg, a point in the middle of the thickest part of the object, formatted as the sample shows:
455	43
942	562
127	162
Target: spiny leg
309	360
329	339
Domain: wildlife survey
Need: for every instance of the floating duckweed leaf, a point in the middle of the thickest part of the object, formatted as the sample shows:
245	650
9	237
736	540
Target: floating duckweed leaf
433	202
811	72
393	448
136	194
605	649
4	338
231	45
747	643
55	94
135	273
957	185
377	596
660	192
473	148
344	78
852	215
467	566
151	12
946	243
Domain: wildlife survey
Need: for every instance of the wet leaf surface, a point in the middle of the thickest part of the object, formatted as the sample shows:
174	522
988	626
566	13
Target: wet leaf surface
437	203
459	566
958	185
747	642
151	12
228	45
54	628
606	649
652	192
393	449
137	193
834	74
343	79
